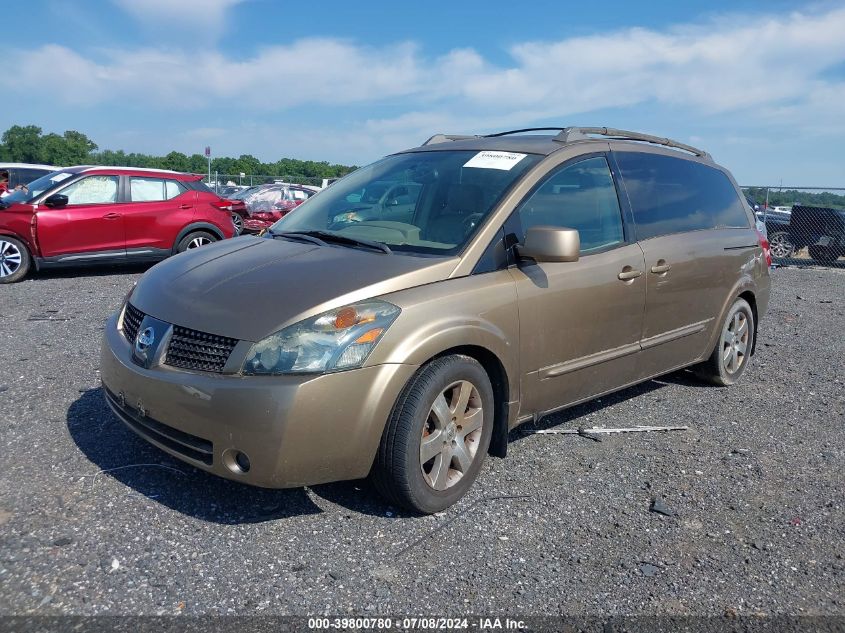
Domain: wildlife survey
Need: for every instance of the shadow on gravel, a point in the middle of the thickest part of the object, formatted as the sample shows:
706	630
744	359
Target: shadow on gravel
121	455
570	417
797	262
89	271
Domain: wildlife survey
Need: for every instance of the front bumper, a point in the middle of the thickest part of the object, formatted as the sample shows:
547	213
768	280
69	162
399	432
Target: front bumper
295	430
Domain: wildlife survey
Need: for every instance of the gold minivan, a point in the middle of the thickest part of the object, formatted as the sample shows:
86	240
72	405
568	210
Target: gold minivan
402	337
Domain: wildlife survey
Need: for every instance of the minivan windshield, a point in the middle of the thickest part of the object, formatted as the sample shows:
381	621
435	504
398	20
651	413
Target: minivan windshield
37	187
428	202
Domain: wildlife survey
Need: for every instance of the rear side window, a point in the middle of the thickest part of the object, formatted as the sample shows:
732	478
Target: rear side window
578	196
674	195
153	189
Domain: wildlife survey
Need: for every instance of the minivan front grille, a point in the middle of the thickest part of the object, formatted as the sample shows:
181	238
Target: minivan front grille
132	318
199	351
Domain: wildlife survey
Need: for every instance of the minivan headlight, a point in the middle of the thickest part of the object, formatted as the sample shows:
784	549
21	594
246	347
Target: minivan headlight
332	341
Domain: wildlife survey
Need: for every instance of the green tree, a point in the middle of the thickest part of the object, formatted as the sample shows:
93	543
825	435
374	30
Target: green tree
22	144
176	161
28	144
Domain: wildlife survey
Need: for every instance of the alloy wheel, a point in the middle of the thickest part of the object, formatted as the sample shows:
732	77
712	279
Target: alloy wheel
780	245
451	435
238	221
736	338
198	241
10	258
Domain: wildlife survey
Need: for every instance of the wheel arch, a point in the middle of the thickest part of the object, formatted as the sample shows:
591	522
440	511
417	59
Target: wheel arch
500	382
751	298
746	289
197	226
27	245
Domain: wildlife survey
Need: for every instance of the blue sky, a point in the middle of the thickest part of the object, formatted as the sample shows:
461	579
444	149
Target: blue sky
761	85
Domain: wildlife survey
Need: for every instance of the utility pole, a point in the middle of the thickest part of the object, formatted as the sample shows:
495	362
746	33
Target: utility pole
208	156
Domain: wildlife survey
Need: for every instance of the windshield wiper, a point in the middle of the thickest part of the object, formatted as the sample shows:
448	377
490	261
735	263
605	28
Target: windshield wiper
297	235
327	236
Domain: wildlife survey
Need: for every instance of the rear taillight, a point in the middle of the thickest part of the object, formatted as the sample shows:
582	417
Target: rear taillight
223	205
767	251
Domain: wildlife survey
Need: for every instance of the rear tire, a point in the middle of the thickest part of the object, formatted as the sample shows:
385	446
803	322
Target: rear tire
238	221
15	261
733	351
195	240
824	254
437	436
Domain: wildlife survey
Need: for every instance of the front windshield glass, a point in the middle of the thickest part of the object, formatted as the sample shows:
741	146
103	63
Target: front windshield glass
37	187
424	202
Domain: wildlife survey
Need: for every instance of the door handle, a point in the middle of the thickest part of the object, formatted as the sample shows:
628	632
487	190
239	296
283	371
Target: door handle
185	206
112	216
660	268
628	275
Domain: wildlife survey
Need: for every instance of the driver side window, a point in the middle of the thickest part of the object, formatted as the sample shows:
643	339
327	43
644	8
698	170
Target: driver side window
92	190
578	196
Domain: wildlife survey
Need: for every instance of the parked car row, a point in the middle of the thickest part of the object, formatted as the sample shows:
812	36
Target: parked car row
260	206
93	215
820	229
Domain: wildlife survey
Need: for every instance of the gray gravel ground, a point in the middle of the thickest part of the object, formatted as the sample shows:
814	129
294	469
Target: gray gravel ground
93	520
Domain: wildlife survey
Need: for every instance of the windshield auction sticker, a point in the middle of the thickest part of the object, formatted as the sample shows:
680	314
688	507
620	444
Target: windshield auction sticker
494	160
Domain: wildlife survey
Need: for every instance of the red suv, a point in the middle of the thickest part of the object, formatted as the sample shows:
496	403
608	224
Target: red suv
85	215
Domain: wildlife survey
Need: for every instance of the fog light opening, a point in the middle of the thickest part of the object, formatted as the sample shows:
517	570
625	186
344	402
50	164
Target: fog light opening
236	461
242	461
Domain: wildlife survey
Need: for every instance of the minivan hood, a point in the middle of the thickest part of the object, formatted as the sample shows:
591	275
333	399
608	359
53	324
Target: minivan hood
249	287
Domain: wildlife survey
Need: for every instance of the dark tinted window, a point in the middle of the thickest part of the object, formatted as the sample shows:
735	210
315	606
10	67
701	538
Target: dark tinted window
25	176
673	195
578	196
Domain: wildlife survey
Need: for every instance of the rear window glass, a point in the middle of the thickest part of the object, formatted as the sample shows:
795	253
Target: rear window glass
674	195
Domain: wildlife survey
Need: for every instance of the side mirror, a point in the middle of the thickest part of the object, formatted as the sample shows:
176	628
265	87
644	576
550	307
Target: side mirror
551	244
56	200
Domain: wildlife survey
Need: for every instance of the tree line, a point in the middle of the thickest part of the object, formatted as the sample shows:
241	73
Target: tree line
789	197
29	144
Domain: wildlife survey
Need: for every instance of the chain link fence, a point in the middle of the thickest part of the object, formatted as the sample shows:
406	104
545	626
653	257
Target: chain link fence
805	225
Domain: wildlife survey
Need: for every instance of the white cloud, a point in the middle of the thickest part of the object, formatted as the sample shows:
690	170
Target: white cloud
768	69
205	16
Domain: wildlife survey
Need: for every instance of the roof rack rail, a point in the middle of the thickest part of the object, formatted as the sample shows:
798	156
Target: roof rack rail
569	134
526	129
444	138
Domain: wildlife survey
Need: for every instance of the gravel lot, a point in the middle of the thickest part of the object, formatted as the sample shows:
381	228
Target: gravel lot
94	520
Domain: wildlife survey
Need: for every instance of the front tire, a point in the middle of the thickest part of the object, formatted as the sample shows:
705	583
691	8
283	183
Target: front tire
15	261
437	436
733	351
195	240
